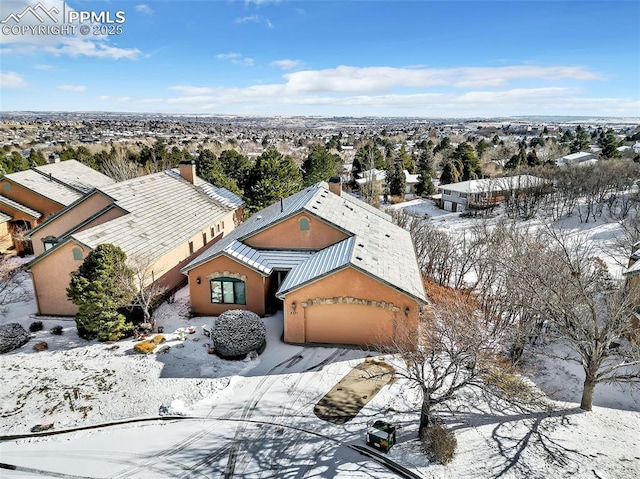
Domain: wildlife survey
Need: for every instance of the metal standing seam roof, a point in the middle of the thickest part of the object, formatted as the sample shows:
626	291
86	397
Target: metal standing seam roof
163	212
62	182
381	248
19	206
321	263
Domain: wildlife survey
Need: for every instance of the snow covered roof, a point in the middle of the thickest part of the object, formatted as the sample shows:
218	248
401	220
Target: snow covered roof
375	245
488	185
62	182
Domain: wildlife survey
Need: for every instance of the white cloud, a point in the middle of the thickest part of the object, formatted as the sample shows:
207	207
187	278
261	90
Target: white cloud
72	87
74	46
43	67
124	99
146	9
248	19
416	91
12	80
286	64
261	2
104	97
236	58
268	23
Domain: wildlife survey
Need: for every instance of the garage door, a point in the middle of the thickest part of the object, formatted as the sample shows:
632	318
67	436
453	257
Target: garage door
347	324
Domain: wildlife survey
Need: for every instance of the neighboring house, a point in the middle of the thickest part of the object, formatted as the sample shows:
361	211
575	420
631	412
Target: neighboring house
632	275
636	147
411	182
379	177
29	197
374	176
484	193
165	218
340	269
581	158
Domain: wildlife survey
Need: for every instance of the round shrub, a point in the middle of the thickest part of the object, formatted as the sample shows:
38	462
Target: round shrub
439	443
145	347
238	332
56	330
12	336
158	338
35	326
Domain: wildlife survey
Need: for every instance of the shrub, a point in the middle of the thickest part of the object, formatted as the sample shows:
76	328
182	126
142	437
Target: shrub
238	332
56	330
439	443
35	326
158	338
144	347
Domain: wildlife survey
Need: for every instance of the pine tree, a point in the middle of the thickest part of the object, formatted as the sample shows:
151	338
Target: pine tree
396	181
320	165
580	142
450	173
425	171
101	285
368	157
273	176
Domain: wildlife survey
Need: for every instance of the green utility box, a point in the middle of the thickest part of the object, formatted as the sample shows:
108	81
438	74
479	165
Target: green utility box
381	435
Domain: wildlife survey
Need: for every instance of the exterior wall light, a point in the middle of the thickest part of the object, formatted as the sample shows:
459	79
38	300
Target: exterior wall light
198	280
406	311
294	306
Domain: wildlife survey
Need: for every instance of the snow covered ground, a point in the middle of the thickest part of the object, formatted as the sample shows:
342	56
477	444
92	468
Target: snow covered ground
255	418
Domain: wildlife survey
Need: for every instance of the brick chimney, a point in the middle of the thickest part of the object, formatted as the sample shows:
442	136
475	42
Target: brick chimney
335	185
188	171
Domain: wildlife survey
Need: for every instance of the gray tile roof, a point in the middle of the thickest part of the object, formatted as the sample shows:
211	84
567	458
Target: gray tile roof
220	195
19	206
163	212
380	248
62	182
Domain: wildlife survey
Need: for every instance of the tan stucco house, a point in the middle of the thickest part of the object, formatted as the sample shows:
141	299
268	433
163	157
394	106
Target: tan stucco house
27	198
167	218
339	268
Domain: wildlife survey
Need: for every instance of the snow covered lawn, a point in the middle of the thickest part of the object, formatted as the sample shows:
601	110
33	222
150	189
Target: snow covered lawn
255	418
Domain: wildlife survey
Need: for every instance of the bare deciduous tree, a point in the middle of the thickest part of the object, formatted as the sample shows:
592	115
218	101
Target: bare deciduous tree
147	289
590	312
12	288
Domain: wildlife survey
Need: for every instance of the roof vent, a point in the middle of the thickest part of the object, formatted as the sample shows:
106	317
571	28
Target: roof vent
387	235
361	245
359	258
259	217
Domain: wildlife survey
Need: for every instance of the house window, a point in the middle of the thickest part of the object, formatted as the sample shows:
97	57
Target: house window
49	242
222	224
190	247
213	232
77	253
218	228
304	224
228	291
204	238
7	187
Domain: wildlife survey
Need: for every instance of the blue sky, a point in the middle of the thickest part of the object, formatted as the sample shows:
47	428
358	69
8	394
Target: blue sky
381	58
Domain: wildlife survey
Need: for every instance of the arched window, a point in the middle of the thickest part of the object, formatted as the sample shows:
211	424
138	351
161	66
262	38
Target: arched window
304	224
77	254
228	291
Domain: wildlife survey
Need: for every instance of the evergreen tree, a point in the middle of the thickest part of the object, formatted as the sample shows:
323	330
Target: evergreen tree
273	176
320	165
101	285
425	171
610	145
36	158
368	157
395	179
236	166
407	160
450	173
465	154
517	160
208	168
481	147
580	142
